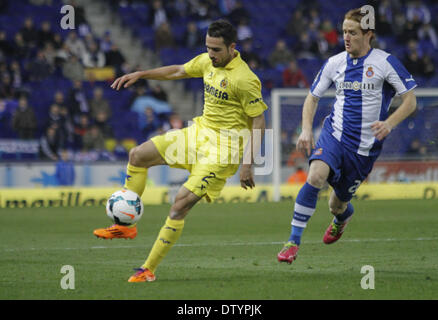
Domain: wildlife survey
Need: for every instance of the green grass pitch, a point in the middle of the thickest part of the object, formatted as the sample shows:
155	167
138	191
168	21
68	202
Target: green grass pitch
226	251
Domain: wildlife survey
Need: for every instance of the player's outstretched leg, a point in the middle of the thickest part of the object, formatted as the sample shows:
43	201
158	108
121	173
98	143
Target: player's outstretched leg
304	208
168	235
141	158
337	226
305	205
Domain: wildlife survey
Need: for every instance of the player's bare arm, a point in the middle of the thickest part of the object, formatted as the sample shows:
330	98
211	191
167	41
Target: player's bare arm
246	175
382	128
306	142
173	72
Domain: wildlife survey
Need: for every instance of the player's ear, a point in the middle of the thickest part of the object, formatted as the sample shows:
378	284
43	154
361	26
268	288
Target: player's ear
370	35
233	46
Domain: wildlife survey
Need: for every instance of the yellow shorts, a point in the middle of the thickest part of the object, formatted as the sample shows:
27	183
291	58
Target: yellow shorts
188	149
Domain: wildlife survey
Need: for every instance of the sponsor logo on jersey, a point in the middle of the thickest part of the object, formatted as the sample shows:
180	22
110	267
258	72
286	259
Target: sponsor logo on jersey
356	85
215	92
256	100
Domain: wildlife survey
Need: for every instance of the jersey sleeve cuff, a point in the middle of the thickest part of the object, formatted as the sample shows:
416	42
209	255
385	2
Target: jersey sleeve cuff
315	95
407	90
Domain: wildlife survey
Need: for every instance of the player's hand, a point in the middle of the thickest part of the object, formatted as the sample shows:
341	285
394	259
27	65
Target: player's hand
380	129
126	80
246	177
305	142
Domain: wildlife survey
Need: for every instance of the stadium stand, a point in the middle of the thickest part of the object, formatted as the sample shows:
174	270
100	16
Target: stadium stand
32	58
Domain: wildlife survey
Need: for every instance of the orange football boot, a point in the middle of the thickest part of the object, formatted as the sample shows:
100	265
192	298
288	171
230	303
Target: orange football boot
142	275
117	231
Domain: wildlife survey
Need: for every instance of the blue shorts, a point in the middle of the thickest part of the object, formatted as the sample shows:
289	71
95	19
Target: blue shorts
347	168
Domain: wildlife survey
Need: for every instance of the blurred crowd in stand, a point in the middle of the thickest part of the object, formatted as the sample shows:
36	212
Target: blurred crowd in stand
47	95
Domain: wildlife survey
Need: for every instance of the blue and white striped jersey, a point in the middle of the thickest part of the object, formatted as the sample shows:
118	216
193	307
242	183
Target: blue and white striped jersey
364	89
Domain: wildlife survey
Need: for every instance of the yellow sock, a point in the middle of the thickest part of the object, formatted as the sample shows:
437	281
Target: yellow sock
168	235
136	179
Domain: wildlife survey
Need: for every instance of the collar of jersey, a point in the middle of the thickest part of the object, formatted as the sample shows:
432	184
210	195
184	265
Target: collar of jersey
234	62
361	58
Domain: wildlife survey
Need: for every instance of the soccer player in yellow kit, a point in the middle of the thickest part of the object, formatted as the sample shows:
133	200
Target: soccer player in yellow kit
233	103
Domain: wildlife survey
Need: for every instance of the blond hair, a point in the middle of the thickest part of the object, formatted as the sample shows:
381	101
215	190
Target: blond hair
357	15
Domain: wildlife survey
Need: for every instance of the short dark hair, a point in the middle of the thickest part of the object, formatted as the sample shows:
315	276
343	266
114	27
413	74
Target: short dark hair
223	28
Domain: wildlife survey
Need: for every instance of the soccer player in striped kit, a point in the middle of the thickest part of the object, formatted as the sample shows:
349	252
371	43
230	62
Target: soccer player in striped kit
366	80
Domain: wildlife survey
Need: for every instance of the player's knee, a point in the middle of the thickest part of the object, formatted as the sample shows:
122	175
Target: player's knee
316	179
336	207
138	156
134	157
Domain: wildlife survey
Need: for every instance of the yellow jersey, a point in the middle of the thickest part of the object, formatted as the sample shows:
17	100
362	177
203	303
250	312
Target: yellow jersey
232	94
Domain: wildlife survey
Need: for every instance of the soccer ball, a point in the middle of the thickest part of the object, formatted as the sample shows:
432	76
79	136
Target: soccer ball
124	207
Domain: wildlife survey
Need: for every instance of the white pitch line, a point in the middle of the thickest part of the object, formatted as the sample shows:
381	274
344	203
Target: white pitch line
218	244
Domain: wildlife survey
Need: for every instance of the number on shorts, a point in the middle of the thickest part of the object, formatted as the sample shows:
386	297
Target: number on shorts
354	187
